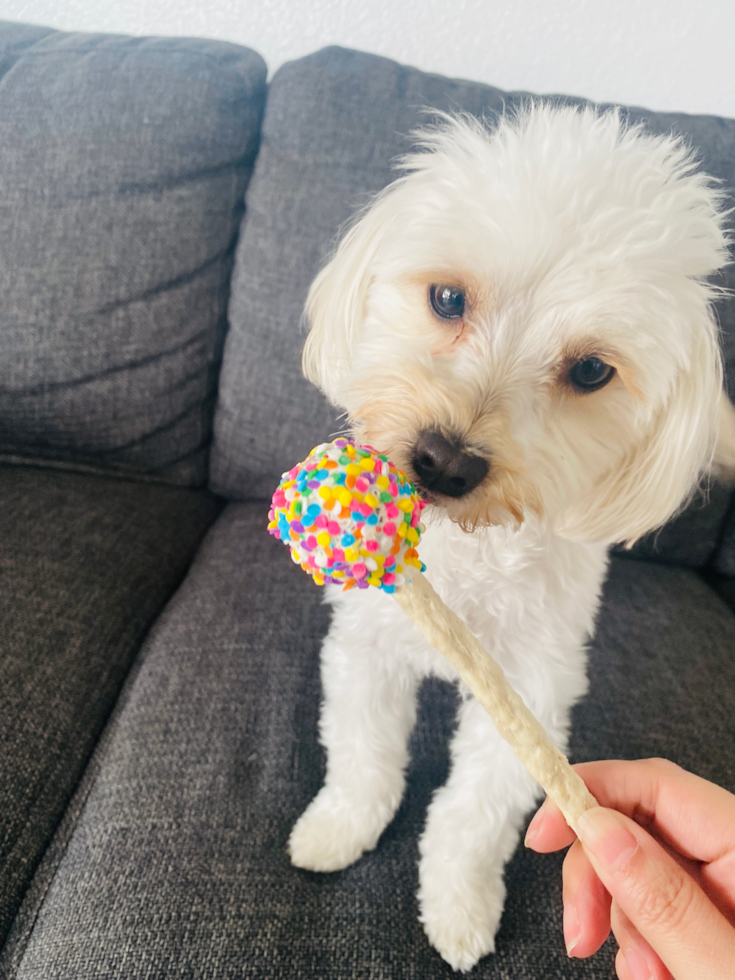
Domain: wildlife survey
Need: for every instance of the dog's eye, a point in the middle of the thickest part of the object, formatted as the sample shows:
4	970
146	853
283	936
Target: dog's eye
447	301
590	374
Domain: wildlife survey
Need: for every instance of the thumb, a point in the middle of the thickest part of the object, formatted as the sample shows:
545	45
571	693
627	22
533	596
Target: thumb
663	902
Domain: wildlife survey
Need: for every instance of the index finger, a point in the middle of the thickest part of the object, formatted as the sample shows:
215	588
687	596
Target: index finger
691	937
687	812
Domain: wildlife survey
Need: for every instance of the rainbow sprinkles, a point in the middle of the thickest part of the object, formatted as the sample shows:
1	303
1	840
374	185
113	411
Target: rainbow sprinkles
349	517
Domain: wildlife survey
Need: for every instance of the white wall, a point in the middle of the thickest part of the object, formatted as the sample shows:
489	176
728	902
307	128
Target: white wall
664	54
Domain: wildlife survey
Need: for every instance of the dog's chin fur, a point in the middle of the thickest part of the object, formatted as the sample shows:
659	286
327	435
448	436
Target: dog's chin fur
571	236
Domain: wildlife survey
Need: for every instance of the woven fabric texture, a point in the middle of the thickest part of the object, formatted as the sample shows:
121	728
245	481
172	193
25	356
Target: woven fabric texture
334	123
124	163
86	565
178	867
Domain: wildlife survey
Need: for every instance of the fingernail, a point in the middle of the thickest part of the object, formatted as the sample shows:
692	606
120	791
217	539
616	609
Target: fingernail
605	835
572	932
535	825
637	964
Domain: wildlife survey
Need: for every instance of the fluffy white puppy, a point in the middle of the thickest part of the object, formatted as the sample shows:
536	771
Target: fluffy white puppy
522	321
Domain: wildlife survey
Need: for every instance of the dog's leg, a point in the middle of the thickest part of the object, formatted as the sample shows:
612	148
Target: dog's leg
471	830
367	715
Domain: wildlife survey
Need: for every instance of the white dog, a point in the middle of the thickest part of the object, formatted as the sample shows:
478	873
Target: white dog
522	322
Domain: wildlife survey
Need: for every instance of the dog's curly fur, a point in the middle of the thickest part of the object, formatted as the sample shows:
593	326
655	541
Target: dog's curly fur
571	236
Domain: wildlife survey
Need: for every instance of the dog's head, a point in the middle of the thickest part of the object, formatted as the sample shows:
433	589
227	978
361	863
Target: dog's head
522	322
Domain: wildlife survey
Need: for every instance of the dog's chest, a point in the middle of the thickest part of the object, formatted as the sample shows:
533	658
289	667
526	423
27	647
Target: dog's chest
529	596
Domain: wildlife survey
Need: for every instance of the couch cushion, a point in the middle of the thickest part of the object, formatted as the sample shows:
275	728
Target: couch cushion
178	865
662	674
86	564
693	537
124	163
333	124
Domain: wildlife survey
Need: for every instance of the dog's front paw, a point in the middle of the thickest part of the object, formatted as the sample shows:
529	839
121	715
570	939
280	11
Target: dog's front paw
335	830
460	911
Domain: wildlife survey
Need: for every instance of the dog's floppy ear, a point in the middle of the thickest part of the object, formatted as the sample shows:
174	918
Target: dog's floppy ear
664	472
690	431
336	304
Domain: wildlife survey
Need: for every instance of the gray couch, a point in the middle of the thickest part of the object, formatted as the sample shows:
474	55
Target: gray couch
161	216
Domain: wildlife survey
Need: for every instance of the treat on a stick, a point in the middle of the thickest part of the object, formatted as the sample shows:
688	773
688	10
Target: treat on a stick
351	518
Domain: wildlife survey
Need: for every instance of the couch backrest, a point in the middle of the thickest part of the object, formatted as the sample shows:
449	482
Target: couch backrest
123	165
334	123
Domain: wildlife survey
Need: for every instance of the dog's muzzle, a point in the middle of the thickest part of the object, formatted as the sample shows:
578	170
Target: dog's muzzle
444	465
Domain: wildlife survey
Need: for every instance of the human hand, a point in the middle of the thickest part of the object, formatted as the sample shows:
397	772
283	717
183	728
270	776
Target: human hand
656	863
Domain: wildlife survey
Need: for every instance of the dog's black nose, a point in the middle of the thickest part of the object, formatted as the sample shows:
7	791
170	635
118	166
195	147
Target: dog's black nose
444	466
